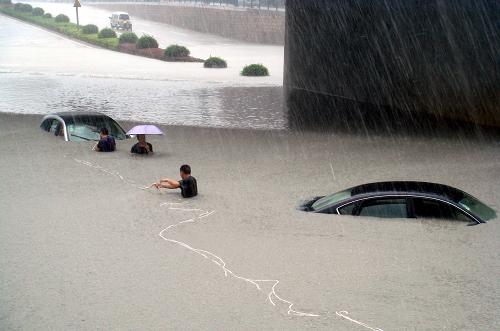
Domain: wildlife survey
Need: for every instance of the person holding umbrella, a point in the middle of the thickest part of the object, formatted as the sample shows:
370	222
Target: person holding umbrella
142	146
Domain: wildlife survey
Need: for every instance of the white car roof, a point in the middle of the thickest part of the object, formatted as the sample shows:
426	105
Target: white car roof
119	13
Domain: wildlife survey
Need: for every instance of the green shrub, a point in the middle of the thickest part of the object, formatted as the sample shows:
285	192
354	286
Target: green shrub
27	8
176	51
147	42
107	33
215	62
61	18
90	29
47	15
37	11
5	2
128	38
255	70
23	7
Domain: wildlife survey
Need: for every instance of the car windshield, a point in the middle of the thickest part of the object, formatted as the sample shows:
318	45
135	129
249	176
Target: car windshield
124	17
477	207
87	128
331	199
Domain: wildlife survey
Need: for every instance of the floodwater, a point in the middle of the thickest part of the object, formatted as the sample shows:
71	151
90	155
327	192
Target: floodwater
83	246
42	72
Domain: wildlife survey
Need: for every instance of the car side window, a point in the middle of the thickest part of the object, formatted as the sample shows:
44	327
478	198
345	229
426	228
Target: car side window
428	208
46	124
54	126
348	209
384	207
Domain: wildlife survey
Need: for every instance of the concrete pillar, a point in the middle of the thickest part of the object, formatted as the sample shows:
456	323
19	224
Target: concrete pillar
389	60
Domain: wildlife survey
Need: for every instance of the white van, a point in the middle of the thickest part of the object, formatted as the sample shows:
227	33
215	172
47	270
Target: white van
120	20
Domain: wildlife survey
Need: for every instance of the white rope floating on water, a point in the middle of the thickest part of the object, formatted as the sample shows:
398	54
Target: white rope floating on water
272	295
344	314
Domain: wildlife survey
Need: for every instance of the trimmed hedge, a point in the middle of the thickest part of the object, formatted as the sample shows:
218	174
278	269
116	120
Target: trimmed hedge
107	33
90	29
176	51
146	42
215	62
61	18
37	11
128	38
47	15
255	70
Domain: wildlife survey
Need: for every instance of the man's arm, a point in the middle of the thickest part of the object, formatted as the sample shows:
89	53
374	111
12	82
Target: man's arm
169	183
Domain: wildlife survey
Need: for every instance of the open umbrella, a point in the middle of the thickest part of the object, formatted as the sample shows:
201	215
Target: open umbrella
145	129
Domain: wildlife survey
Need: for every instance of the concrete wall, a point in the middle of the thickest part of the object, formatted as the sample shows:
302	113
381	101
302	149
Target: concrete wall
265	27
363	58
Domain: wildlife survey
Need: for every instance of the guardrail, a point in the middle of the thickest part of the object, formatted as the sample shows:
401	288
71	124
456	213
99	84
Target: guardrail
274	5
252	4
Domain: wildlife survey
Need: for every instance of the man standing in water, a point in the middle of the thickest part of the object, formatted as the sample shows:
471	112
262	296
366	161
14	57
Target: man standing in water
187	184
106	142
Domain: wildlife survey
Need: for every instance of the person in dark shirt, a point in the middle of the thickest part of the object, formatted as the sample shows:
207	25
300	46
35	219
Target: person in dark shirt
142	147
106	143
188	184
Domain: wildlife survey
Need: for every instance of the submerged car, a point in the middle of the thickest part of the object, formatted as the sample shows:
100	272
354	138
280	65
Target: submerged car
403	199
120	20
81	126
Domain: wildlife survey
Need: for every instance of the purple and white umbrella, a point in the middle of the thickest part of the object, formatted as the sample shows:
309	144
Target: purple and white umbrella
145	129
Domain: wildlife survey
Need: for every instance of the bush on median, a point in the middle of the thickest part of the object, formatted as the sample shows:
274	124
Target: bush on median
128	38
107	33
90	29
61	18
215	62
255	70
173	51
47	15
23	7
146	42
37	11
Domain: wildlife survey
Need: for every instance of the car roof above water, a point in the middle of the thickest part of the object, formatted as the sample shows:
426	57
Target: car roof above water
68	115
409	187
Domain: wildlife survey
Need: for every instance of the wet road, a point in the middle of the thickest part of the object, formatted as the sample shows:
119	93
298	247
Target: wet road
236	53
42	72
